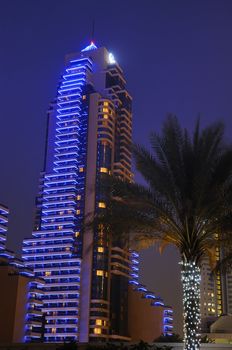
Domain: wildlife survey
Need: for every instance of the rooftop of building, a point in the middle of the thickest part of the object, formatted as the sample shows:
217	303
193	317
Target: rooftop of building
222	325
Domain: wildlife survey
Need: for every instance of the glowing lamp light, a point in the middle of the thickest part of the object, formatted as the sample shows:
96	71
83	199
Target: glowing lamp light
111	58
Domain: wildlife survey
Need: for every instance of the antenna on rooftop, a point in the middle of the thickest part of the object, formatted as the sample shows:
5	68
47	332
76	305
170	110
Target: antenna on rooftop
93	31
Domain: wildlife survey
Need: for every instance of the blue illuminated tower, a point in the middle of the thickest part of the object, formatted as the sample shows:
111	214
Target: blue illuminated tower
89	135
88	277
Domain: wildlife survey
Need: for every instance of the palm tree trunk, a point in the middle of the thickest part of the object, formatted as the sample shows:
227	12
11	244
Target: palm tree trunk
190	277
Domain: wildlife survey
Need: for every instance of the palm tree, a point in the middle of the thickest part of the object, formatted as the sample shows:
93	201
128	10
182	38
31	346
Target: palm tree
186	203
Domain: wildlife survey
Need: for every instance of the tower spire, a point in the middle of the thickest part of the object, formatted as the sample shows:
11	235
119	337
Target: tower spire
93	31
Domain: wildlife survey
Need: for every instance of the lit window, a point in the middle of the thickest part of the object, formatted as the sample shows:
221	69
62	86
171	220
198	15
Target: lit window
47	273
81	170
97	330
53	330
77	234
98	322
60	227
78	197
105	110
84	97
105	116
102	205
106	103
78	211
100	250
99	273
103	170
67	249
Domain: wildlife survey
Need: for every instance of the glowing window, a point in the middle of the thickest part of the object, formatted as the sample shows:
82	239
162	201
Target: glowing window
53	330
102	205
105	110
106	103
84	97
98	322
78	211
105	116
77	234
81	170
47	273
97	330
60	227
100	273
67	249
78	197
100	250
103	170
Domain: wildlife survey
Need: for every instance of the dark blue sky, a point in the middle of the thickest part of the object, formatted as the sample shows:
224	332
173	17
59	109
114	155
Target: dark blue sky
176	55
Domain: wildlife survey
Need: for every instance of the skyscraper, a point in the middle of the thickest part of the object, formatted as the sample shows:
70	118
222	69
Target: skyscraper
89	135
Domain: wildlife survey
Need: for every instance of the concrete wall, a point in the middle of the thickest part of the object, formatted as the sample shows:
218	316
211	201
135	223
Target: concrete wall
145	322
13	293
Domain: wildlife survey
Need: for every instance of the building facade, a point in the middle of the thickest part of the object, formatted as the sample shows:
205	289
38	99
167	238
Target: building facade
211	292
89	135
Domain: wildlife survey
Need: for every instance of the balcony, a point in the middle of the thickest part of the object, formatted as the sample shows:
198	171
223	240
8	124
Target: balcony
35	254
2	237
58	195
3	228
49	182
59	203
35	301
72	275
64	317
3	219
61	284
57	224
58	259
34	312
36	291
61	308
60	217
61	335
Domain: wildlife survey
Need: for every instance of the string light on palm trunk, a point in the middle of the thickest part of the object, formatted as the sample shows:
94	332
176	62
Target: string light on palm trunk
190	277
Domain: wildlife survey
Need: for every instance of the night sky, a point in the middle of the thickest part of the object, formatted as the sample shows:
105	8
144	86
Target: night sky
176	55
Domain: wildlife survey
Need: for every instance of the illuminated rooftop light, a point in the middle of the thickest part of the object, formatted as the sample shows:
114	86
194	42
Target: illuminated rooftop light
90	47
111	58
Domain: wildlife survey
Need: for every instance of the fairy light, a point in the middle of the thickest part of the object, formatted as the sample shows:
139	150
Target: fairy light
190	277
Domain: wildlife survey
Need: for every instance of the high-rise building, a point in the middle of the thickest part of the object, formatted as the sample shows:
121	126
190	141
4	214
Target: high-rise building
88	136
211	300
4	212
211	294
